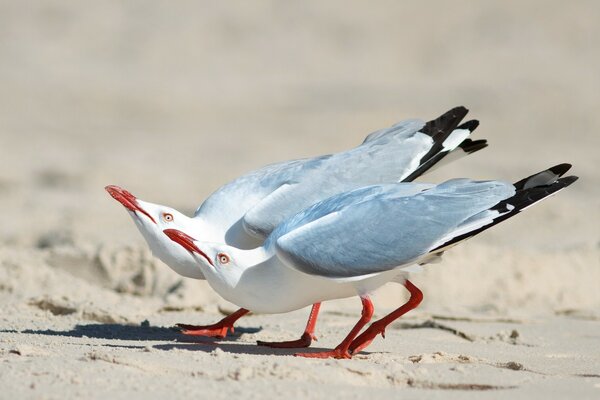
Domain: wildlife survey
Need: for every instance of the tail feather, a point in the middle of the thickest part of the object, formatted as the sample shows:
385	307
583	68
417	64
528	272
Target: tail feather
529	191
467	147
448	137
449	140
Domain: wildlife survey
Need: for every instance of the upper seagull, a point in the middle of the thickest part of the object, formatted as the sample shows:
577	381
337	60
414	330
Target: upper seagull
354	242
245	211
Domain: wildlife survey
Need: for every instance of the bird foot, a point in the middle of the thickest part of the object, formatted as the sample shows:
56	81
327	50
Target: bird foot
304	341
216	330
365	338
335	353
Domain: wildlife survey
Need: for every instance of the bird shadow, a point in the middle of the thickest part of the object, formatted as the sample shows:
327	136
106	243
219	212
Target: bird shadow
170	334
134	332
237	348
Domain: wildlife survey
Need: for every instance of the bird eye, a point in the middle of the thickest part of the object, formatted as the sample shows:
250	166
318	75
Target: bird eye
223	258
168	217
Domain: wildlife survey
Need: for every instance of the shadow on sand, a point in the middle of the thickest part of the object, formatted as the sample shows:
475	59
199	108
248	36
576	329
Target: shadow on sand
132	332
178	340
236	348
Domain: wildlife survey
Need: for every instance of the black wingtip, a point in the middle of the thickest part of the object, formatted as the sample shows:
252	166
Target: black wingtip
560	169
442	126
542	178
459	110
523	199
471	146
568	180
470	125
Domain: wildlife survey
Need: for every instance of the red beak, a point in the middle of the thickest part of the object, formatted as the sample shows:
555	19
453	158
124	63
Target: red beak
185	241
128	200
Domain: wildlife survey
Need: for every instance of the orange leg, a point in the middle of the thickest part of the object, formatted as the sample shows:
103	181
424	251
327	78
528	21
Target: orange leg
218	330
377	327
341	351
306	338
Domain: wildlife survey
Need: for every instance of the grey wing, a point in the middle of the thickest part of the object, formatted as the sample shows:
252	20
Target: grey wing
403	128
383	158
225	210
385	230
401	152
260	220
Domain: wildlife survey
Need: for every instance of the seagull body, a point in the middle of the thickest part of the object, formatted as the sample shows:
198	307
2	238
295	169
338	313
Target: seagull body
355	242
263	276
245	211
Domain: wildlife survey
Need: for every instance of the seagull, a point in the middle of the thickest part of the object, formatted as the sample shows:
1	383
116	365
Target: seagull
354	242
245	211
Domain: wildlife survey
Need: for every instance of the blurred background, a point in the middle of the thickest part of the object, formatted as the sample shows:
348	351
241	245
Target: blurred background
173	99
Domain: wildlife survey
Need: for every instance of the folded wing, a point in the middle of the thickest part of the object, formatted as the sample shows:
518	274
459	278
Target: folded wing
382	227
402	152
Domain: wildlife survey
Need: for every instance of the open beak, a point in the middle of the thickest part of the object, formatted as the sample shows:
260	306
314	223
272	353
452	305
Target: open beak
186	241
128	200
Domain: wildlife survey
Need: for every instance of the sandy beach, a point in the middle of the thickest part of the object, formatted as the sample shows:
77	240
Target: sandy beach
173	100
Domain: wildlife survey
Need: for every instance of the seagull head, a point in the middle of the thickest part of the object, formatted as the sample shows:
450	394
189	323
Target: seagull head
221	264
151	220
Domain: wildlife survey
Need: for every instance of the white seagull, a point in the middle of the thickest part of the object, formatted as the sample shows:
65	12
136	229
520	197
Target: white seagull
244	212
355	242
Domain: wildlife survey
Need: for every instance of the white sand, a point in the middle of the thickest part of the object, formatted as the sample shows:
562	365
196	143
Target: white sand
171	101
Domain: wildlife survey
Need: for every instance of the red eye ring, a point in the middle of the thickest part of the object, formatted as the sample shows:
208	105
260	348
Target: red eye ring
167	217
223	258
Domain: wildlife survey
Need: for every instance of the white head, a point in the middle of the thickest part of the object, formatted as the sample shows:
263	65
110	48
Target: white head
221	264
151	220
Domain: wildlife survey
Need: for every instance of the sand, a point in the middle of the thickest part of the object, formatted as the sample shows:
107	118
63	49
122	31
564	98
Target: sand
173	100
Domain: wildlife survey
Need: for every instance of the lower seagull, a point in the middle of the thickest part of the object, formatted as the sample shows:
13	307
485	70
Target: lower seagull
355	242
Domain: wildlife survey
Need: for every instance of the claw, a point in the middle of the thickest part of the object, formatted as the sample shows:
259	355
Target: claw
218	330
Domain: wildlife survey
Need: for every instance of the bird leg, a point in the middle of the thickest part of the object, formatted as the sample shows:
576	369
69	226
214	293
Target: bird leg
306	338
218	330
377	327
341	351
